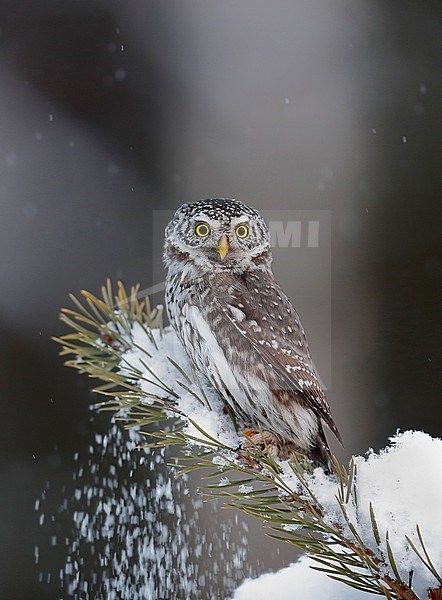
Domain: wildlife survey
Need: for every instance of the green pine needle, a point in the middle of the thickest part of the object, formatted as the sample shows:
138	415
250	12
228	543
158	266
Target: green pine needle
100	332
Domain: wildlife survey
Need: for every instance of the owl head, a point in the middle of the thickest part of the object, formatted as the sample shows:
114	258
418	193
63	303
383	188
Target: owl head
218	235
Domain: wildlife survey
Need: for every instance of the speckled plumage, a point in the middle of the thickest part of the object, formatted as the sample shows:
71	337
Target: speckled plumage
239	328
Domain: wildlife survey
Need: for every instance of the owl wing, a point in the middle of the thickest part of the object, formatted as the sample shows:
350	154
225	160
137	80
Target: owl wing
262	314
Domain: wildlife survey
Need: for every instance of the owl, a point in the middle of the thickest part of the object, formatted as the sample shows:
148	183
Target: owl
240	330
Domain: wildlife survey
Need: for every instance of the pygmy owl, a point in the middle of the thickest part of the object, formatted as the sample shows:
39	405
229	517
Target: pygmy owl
238	327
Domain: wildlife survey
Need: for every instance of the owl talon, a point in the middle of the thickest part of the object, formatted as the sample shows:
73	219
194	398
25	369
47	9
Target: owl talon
249	432
269	443
266	440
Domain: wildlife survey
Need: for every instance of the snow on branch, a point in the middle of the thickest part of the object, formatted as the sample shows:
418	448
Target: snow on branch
375	525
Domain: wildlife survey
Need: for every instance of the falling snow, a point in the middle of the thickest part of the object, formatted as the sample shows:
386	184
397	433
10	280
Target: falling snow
137	532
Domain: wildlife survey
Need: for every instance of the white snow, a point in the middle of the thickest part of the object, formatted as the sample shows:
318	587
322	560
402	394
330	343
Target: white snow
404	485
297	581
153	362
245	489
403	482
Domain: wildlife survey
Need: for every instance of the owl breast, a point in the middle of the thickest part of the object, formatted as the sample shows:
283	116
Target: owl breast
206	313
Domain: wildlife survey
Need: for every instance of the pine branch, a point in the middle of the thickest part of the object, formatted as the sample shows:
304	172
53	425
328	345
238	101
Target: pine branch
279	494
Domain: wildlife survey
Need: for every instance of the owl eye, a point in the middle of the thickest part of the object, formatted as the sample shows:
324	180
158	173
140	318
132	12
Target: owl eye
202	230
242	231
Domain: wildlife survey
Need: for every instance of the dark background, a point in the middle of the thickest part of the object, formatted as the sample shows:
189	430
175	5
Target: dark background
110	110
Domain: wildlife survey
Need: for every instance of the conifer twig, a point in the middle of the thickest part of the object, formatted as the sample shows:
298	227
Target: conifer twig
101	332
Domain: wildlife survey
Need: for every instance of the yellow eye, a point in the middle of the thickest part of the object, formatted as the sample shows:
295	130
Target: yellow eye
202	230
242	231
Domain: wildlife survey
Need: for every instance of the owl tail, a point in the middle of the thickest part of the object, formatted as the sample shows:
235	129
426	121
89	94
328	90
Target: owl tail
320	453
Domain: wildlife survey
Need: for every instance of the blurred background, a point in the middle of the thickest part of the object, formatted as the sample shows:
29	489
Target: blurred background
111	110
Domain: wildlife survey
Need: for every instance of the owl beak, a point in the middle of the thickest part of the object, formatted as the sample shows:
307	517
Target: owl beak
223	247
